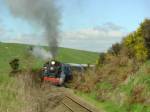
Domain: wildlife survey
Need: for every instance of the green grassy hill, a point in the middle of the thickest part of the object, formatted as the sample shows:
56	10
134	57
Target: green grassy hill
11	51
10	91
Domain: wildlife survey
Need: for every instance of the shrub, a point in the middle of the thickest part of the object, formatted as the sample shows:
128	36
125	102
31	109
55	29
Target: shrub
14	65
134	44
141	52
145	31
115	49
101	59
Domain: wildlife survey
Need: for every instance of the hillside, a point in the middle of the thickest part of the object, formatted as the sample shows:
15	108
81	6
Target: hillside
121	82
12	90
10	51
131	95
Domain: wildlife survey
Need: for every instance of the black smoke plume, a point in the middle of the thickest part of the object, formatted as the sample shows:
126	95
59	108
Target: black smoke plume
42	13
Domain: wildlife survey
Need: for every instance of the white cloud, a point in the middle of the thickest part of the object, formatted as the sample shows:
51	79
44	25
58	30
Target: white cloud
94	39
108	30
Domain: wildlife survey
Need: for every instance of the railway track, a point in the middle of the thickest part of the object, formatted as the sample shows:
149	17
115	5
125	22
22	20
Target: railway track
73	104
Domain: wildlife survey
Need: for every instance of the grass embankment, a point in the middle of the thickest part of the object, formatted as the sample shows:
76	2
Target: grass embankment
10	90
121	81
129	95
9	97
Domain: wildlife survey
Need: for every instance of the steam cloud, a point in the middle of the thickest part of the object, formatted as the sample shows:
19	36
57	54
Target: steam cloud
43	13
41	53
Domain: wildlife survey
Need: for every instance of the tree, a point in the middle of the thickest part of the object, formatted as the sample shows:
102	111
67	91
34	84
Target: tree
115	49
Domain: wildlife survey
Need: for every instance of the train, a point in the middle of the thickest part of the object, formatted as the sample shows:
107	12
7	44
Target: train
59	73
56	72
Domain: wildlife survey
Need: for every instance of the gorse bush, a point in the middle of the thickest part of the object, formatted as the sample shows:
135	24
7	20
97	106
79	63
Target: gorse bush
135	45
134	42
145	31
141	53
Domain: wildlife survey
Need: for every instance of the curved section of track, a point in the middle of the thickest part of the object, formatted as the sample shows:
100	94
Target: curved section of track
71	103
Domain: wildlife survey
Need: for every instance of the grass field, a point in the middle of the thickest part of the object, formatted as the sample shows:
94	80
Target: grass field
11	51
10	99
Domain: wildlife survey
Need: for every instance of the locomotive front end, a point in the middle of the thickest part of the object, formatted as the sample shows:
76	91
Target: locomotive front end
53	72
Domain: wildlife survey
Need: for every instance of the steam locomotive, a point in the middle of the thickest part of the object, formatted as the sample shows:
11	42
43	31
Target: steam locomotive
57	73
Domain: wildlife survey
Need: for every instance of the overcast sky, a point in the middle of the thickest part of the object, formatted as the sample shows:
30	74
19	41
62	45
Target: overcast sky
92	25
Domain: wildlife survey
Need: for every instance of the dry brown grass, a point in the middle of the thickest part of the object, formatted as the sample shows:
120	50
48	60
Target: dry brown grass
115	71
36	96
136	95
84	82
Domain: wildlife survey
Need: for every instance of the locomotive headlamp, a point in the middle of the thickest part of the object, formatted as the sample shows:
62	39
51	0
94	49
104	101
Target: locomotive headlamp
51	68
53	62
